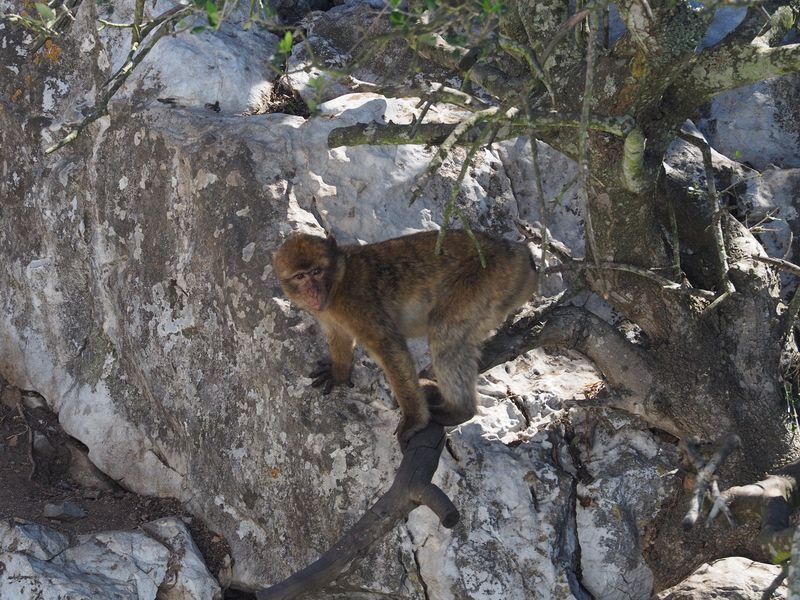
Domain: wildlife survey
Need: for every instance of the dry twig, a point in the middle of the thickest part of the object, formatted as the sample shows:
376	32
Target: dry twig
29	429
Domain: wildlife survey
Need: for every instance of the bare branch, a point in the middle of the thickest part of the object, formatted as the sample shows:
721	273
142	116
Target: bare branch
583	142
732	65
665	283
159	27
459	132
433	134
784	265
725	285
411	488
436	92
625	366
705	473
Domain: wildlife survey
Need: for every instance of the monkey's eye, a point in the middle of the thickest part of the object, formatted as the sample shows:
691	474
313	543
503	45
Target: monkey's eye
299	276
315	271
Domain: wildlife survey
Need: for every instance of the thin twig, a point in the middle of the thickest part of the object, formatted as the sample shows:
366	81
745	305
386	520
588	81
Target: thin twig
450	206
613	266
583	142
537	177
717	301
446	146
31	458
433	91
160	26
776	583
726	286
705	473
783	265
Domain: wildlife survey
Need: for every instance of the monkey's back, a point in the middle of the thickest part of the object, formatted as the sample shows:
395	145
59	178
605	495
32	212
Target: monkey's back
415	286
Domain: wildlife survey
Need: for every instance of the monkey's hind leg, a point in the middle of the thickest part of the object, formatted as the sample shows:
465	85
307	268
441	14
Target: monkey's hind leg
452	399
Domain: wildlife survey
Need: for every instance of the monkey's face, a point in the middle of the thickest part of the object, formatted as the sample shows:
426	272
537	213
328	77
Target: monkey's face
305	265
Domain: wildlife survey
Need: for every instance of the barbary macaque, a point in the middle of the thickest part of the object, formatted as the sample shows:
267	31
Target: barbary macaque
379	295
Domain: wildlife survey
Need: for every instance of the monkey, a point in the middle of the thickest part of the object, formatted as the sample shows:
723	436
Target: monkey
379	295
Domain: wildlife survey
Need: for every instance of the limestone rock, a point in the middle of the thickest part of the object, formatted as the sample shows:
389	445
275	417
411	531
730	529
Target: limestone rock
733	578
42	564
66	511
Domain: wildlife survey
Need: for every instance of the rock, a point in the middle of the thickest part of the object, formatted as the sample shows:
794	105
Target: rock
42	445
757	124
11	397
627	476
84	472
189	578
32	400
733	578
793	576
66	511
41	564
32	539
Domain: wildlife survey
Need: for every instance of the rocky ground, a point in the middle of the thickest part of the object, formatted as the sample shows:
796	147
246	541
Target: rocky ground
42	469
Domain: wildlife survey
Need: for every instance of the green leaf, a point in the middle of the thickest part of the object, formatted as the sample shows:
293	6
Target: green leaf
285	45
213	14
397	19
47	13
198	29
781	556
432	4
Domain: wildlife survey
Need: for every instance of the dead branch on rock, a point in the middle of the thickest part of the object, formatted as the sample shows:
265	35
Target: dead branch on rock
29	430
771	500
411	488
705	477
725	285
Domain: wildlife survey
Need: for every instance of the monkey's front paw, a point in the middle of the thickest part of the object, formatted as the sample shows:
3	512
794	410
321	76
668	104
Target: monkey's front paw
406	428
323	376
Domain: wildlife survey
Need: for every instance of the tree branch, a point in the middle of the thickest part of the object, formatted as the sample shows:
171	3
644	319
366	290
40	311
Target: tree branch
159	26
724	282
772	500
781	264
411	488
614	266
705	474
624	365
495	81
433	134
436	92
732	65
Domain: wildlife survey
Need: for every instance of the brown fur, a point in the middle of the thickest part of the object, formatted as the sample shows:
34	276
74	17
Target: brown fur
381	294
